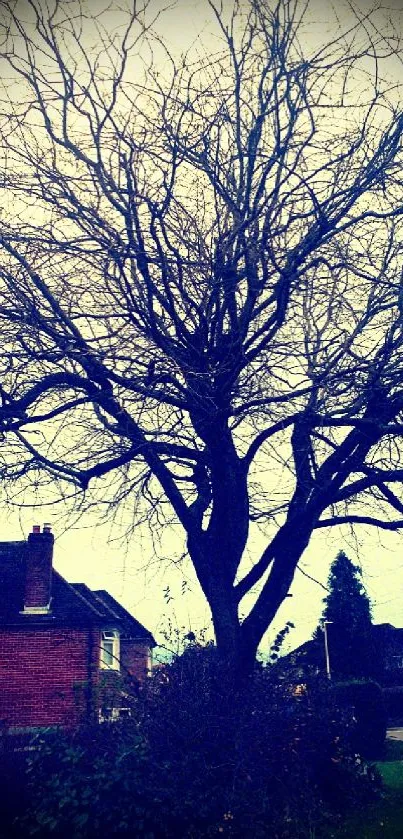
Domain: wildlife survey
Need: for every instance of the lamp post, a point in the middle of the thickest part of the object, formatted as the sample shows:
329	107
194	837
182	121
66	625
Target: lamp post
324	627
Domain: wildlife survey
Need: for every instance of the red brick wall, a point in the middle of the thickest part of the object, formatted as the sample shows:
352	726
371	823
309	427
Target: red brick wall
118	688
44	675
134	658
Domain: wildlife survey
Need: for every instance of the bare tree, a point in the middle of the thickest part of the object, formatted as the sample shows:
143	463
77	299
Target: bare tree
200	280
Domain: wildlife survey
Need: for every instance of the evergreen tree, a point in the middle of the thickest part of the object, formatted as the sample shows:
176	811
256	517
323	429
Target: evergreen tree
347	611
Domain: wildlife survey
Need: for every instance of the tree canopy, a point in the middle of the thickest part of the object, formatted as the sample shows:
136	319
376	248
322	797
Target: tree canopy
347	603
347	611
200	283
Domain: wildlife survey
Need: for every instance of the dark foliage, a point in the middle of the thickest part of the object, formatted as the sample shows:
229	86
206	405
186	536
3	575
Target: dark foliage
201	757
393	697
353	650
370	713
14	782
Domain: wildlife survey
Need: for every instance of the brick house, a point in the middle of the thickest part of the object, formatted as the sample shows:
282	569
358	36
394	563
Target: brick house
67	654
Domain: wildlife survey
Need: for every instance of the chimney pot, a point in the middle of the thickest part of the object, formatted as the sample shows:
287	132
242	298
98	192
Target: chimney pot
36	528
47	528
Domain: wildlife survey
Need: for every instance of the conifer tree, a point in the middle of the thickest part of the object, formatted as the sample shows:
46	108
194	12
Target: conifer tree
347	612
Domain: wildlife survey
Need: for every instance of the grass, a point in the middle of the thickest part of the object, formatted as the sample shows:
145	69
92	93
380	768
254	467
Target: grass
392	774
384	820
393	750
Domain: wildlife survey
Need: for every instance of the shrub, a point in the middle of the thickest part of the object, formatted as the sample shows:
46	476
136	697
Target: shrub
13	780
203	756
86	783
393	697
367	702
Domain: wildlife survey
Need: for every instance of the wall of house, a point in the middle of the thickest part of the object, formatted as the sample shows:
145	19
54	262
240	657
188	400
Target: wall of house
117	689
48	676
135	659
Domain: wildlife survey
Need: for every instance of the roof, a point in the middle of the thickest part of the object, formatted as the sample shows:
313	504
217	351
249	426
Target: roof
312	653
388	631
132	627
12	559
72	604
113	611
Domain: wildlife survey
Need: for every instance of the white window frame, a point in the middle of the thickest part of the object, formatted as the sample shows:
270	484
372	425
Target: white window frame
110	656
112	714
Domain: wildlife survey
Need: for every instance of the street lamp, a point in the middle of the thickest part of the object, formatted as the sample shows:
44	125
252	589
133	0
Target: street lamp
324	627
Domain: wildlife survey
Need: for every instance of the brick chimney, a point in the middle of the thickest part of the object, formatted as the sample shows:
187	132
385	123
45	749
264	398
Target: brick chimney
38	571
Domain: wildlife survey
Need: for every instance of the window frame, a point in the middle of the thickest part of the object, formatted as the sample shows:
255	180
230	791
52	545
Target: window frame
109	659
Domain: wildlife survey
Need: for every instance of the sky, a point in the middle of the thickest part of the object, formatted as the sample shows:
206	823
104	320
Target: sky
165	597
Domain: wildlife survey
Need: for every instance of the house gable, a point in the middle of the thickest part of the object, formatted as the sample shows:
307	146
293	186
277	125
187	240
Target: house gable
51	659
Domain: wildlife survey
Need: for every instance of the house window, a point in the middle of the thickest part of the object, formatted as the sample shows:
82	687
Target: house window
110	650
111	714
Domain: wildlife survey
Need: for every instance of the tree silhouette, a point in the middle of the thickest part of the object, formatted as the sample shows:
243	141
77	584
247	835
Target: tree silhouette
347	612
200	293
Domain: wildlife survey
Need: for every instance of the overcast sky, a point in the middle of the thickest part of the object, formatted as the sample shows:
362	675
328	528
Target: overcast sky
157	591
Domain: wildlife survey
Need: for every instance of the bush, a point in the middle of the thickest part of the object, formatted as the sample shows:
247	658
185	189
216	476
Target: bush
367	702
393	697
203	756
13	780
